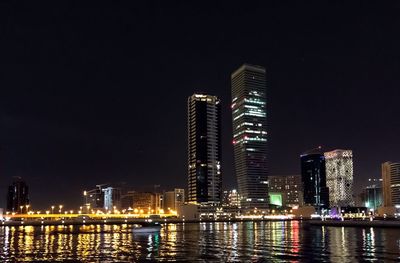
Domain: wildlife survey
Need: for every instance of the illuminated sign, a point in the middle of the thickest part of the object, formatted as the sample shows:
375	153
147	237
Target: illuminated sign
275	199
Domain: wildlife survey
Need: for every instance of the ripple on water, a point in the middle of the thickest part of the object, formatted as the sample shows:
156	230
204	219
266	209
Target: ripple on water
281	241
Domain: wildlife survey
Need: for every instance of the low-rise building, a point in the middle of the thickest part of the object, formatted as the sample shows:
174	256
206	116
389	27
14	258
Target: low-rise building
372	194
173	199
146	202
285	190
231	198
112	198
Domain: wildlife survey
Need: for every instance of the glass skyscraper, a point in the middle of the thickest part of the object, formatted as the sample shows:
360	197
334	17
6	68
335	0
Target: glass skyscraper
249	116
18	196
204	150
313	176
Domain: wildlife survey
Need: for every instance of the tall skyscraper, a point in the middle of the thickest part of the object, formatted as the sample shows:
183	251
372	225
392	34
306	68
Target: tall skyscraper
391	184
313	177
249	116
18	196
339	177
204	150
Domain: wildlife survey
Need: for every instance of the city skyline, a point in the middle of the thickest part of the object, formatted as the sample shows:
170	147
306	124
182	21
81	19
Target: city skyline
214	131
90	100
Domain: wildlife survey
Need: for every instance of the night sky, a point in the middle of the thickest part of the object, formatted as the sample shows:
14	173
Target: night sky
97	93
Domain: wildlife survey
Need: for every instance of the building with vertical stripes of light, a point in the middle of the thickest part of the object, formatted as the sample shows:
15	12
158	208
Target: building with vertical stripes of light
249	116
204	150
391	184
313	177
339	177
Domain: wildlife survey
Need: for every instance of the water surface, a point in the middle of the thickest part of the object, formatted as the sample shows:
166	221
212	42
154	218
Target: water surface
282	241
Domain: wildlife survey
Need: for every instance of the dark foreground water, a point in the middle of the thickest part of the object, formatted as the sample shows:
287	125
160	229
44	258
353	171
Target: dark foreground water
290	241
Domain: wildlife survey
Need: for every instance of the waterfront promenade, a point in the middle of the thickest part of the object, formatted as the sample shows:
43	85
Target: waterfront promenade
118	219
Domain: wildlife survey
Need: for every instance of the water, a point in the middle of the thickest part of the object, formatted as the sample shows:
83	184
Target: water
290	241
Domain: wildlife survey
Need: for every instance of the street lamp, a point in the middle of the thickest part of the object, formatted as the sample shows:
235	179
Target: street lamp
52	209
60	206
85	196
21	208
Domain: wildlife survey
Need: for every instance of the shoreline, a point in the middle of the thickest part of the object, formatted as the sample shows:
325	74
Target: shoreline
124	221
114	221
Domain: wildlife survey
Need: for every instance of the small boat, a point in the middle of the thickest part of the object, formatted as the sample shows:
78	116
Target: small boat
147	227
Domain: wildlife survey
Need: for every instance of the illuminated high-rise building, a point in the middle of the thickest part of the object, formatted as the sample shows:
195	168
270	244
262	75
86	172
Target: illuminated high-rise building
391	184
249	116
18	196
313	178
339	177
204	150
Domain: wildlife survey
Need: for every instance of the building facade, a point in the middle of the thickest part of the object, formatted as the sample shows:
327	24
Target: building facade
391	184
94	198
231	198
127	200
249	114
339	177
288	188
313	177
373	196
204	150
18	196
112	198
146	202
173	199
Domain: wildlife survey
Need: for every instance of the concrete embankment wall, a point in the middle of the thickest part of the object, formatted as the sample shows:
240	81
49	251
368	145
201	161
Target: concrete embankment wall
117	221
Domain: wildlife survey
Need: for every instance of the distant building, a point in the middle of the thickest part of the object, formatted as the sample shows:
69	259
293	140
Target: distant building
173	199
372	195
285	190
249	115
112	198
313	177
127	200
18	196
204	149
391	184
94	198
339	177
231	198
146	202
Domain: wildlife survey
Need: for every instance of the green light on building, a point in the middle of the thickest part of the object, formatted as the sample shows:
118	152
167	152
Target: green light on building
275	199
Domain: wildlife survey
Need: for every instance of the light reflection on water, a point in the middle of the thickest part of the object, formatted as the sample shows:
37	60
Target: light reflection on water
290	241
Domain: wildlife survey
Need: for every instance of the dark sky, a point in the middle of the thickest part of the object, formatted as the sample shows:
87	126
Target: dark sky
94	93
